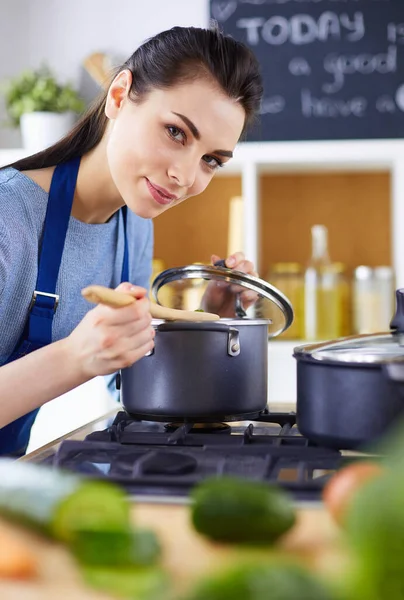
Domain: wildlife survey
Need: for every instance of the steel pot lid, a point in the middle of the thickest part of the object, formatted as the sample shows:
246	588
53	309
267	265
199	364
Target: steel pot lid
361	349
377	348
272	305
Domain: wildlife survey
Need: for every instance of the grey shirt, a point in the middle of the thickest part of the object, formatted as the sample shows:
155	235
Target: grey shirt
92	254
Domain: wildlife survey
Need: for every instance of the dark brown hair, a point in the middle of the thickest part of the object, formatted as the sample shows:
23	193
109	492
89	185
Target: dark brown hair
171	57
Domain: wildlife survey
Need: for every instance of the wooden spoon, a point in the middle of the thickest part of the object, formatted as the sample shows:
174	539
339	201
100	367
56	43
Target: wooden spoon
103	295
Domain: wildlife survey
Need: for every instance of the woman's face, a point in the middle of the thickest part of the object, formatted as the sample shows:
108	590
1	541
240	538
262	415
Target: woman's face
167	148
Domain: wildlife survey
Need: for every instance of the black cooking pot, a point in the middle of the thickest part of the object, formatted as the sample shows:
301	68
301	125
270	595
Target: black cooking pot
208	371
349	391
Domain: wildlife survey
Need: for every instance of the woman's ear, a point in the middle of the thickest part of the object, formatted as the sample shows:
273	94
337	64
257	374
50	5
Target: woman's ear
117	93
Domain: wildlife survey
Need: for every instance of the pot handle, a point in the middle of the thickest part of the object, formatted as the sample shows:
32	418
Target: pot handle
394	370
397	322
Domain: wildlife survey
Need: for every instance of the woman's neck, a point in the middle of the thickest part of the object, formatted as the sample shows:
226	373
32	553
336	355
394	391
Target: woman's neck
96	198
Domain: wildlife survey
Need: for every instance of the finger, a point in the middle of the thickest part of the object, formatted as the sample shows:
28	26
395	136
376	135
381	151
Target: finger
134	290
234	259
246	266
107	316
214	258
123	346
249	297
128	330
135	355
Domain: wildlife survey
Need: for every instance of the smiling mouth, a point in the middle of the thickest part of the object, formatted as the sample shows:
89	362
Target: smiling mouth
158	195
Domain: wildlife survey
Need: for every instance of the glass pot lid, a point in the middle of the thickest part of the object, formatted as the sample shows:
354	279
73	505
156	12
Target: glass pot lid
374	348
271	305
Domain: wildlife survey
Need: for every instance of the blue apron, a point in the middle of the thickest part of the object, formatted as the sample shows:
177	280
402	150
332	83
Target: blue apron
14	437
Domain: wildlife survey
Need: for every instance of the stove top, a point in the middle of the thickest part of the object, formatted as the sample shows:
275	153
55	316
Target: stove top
163	462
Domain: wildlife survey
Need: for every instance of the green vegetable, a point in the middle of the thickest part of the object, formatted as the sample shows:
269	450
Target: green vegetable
131	583
275	580
375	529
242	511
116	547
59	503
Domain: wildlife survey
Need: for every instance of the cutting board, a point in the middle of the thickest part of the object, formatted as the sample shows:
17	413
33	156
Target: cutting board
186	555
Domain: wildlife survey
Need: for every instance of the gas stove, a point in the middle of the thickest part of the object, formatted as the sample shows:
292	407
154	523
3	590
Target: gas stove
162	462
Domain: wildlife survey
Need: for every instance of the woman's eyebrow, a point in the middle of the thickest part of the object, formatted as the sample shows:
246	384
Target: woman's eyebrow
195	132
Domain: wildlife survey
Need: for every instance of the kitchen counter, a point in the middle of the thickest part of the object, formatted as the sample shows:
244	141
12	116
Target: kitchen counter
315	541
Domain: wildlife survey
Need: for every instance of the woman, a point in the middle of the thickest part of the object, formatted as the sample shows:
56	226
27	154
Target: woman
171	117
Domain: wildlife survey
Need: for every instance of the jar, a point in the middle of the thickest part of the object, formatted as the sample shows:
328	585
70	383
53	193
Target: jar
288	278
373	298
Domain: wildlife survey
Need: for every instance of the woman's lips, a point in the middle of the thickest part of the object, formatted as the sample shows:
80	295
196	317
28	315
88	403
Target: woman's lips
158	194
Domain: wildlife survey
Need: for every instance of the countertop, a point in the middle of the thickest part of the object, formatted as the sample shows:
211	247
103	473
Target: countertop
315	541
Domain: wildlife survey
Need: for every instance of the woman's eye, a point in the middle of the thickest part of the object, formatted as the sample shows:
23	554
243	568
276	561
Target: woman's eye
212	161
176	133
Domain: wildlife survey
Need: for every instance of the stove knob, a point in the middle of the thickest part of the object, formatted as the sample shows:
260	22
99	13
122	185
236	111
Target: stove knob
118	381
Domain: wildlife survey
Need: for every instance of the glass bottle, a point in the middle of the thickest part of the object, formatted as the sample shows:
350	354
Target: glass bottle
322	301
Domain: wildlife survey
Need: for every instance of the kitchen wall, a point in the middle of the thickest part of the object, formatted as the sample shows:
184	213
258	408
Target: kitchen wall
64	33
14	53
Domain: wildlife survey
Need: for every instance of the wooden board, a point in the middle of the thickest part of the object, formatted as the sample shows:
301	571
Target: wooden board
186	555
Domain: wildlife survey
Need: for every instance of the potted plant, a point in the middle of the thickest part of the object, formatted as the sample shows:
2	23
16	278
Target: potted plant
43	108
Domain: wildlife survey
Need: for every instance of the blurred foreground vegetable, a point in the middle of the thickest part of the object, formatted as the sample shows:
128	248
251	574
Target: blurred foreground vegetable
339	492
238	510
16	560
277	579
58	503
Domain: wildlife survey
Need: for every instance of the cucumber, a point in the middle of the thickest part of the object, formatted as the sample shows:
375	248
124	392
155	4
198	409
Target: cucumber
277	579
116	547
232	509
149	583
58	503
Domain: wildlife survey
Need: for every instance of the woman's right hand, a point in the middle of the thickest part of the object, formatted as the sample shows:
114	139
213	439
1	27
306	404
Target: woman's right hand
109	339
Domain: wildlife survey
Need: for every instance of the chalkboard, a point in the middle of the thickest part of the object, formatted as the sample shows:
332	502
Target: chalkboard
332	69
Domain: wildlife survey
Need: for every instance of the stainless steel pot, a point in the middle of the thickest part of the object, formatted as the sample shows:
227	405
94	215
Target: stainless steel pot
208	371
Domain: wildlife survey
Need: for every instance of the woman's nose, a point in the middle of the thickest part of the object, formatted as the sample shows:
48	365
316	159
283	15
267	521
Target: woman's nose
183	173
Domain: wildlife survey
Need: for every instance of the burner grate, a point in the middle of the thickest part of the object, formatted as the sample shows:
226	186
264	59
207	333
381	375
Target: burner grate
149	460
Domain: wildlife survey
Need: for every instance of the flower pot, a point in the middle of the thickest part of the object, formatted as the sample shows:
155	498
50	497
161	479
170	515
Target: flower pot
40	130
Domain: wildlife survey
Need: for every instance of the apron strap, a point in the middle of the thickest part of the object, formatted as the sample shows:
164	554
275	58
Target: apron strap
44	300
125	265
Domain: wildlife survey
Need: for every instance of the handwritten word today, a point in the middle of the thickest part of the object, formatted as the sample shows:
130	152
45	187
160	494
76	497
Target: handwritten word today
303	29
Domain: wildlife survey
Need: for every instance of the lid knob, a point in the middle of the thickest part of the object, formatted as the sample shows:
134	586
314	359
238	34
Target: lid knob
397	322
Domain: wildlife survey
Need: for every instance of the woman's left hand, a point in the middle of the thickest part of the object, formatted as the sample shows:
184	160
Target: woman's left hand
220	297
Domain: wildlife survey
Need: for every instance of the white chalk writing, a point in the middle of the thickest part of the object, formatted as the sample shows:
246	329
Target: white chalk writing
303	29
366	64
299	66
272	105
395	33
331	107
